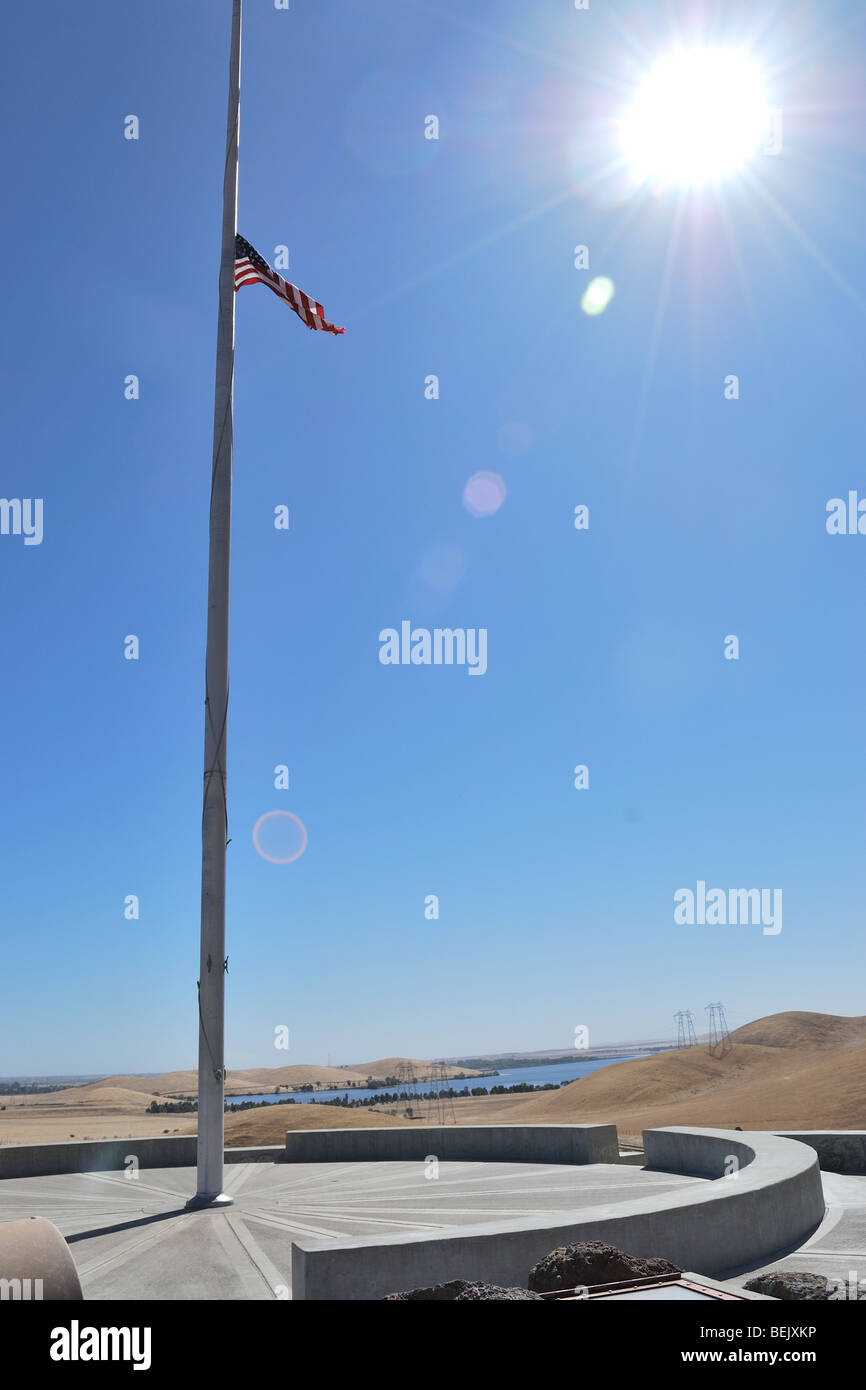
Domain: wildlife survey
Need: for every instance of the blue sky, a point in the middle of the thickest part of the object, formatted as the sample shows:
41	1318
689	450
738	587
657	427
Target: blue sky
452	257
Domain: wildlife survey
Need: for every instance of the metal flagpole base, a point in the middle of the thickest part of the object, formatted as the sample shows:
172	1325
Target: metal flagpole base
199	1202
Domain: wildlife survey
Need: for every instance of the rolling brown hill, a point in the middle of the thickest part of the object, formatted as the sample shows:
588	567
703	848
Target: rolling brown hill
93	1099
787	1071
254	1079
269	1123
802	1030
167	1083
792	1070
251	1080
389	1066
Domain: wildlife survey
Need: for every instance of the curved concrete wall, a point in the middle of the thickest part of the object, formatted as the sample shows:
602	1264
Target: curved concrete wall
466	1143
844	1152
111	1155
456	1144
94	1156
772	1201
698	1153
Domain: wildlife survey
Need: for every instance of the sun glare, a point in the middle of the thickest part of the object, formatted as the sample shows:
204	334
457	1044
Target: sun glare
697	116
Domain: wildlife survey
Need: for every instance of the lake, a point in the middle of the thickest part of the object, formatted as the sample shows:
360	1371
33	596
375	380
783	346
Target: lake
534	1076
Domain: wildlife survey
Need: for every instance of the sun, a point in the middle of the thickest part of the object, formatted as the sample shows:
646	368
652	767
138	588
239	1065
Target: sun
697	117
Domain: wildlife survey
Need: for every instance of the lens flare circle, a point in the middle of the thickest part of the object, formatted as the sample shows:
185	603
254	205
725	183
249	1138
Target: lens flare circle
282	832
484	493
597	295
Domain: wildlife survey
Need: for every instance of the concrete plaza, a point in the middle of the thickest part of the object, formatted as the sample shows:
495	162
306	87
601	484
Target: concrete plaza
132	1238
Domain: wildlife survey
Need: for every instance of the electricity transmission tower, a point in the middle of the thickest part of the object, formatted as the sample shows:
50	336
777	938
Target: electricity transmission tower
406	1075
685	1028
719	1035
444	1105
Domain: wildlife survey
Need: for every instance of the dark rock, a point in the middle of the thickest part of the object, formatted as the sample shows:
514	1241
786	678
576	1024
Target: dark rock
462	1291
592	1262
487	1292
436	1293
798	1288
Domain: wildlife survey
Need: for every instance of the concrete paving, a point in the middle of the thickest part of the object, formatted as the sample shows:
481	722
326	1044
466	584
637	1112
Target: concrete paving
838	1247
131	1238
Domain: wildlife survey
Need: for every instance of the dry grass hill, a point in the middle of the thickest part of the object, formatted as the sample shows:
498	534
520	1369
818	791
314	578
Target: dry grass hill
93	1099
253	1079
254	1128
786	1071
117	1106
390	1066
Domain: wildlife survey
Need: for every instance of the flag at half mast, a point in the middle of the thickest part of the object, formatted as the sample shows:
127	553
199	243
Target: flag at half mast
250	267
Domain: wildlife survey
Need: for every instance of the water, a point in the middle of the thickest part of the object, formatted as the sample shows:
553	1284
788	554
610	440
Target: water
534	1076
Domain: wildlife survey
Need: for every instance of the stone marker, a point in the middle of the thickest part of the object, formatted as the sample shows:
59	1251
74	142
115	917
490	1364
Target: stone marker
796	1288
463	1291
592	1262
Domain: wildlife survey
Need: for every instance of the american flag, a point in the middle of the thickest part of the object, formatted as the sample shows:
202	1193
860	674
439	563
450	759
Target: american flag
250	267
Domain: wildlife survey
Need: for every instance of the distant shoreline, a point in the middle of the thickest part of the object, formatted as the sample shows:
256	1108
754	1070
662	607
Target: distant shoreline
481	1066
511	1063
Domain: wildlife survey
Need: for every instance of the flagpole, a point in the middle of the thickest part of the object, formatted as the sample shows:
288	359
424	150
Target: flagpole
214	822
